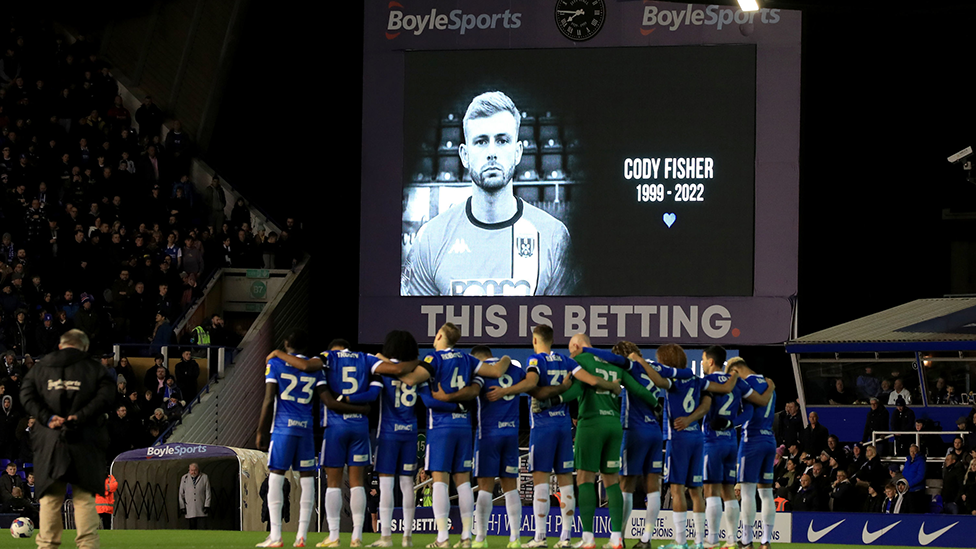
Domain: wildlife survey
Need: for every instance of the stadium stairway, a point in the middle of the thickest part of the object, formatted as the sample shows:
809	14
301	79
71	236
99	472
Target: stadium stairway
228	414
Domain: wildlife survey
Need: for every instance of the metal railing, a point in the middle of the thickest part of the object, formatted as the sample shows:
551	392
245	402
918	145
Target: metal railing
890	435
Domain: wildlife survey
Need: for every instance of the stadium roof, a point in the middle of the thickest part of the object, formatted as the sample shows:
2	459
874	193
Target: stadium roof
922	325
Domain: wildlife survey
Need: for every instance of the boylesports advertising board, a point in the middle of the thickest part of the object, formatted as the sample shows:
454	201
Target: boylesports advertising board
641	184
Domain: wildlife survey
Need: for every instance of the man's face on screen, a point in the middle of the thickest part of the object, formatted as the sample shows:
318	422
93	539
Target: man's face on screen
491	150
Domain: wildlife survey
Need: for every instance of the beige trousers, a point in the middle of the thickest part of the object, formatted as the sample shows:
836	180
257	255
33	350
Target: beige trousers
86	518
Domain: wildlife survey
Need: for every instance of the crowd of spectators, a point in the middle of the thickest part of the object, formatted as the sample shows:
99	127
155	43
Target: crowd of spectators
815	471
102	228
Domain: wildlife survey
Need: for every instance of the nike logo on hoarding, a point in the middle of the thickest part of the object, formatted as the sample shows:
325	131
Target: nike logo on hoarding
868	536
926	539
814	535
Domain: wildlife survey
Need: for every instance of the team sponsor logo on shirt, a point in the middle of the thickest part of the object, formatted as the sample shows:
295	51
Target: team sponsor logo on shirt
458	416
558	413
491	287
459	247
401	427
352	416
526	246
296	423
504	424
360	458
607	413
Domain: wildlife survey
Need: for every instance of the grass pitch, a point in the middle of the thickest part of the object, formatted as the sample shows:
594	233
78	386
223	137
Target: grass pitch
219	539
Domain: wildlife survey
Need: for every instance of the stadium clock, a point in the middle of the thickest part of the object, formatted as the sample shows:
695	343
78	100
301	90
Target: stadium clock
580	20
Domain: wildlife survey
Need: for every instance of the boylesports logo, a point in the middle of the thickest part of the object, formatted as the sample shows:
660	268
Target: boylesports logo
161	451
717	16
455	21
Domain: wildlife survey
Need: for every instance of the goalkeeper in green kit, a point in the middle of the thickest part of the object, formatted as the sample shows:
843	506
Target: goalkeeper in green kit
598	437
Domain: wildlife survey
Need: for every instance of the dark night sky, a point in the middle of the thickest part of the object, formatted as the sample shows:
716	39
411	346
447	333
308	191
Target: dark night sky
885	99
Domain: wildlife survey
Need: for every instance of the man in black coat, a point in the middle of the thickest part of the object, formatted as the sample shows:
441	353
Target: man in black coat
903	420
69	393
790	425
877	420
808	498
815	436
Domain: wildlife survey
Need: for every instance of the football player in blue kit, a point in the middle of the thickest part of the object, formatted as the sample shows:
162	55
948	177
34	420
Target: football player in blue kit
757	453
396	453
449	438
287	412
496	452
686	404
642	447
721	448
346	438
551	434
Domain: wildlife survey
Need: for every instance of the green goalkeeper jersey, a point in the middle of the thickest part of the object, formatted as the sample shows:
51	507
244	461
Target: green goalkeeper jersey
598	404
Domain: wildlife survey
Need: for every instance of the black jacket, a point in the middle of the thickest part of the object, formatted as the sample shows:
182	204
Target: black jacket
877	420
808	500
64	383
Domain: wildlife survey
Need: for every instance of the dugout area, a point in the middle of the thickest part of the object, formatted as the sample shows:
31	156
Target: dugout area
149	486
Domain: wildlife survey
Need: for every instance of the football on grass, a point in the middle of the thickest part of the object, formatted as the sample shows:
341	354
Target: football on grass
22	528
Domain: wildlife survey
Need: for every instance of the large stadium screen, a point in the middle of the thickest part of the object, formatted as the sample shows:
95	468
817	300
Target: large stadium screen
640	185
622	163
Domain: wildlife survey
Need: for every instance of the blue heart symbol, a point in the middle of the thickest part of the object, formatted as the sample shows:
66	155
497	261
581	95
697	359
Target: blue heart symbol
669	219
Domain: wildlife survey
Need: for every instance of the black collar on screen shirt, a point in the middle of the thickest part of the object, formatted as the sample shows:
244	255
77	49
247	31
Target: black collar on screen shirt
494	226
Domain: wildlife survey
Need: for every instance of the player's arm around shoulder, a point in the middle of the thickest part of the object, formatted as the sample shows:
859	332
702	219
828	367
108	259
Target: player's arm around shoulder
493	369
635	388
468	392
334	404
724	387
304	364
656	378
528	384
426	370
392	367
762	399
582	372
